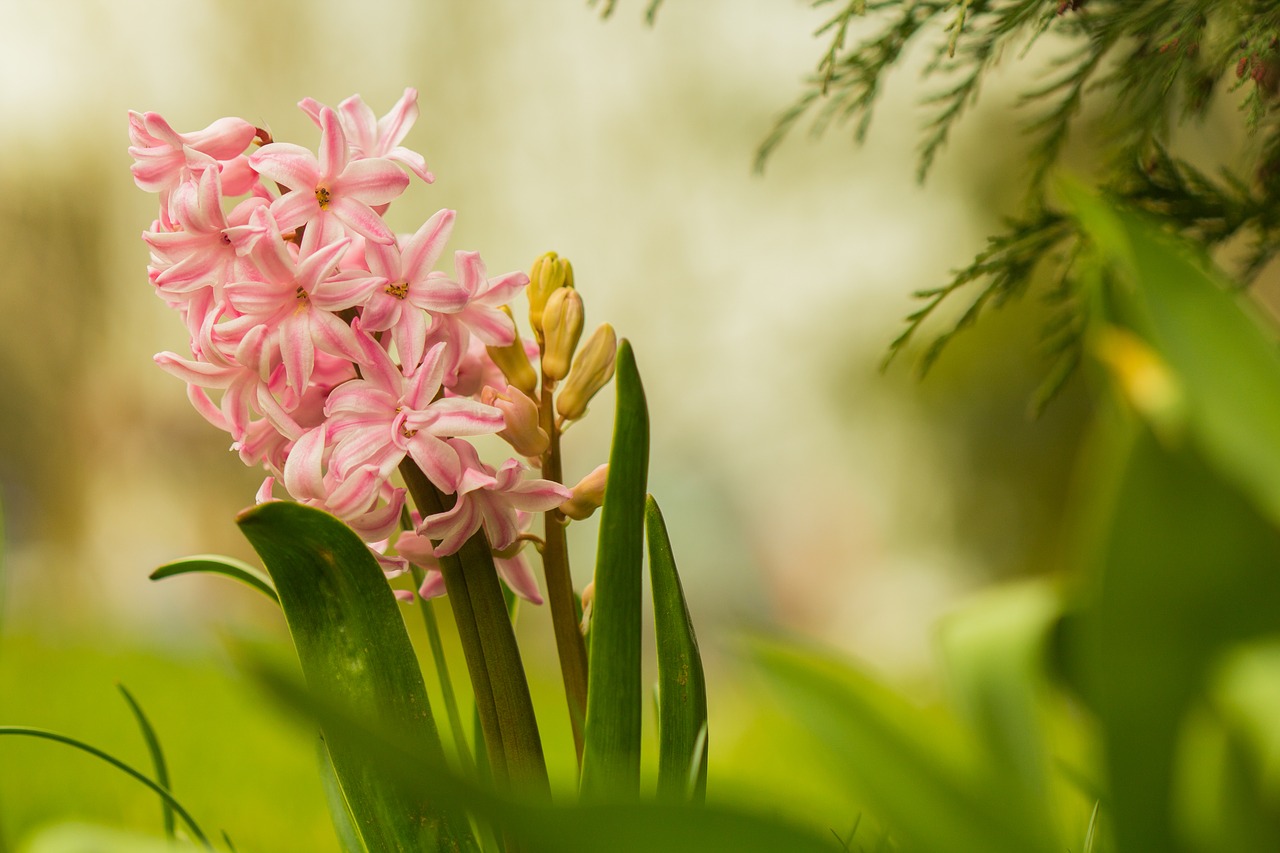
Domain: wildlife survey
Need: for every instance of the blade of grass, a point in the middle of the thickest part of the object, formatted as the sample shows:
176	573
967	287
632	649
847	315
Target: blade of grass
163	793
611	759
157	756
682	685
226	566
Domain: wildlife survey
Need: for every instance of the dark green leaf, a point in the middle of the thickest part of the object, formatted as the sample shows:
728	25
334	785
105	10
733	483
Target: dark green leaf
353	646
611	757
682	686
213	564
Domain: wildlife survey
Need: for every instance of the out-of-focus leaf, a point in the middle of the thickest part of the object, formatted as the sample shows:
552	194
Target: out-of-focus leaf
682	686
1247	692
995	651
81	838
626	827
352	644
1185	567
163	793
157	755
213	564
611	756
928	782
1222	353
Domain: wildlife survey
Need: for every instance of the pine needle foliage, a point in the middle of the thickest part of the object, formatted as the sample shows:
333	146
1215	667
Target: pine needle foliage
1146	66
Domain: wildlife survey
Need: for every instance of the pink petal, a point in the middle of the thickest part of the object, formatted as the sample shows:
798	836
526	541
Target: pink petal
421	251
361	219
333	148
393	126
286	163
302	468
372	181
519	577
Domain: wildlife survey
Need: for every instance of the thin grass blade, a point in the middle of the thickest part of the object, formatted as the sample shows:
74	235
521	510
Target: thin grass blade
157	755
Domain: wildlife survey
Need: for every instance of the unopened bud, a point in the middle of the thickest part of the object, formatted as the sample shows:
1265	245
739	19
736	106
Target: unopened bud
588	597
592	370
561	328
514	363
588	495
550	273
521	415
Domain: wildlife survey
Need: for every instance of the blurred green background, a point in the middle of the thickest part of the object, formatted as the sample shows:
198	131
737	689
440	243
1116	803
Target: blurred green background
804	490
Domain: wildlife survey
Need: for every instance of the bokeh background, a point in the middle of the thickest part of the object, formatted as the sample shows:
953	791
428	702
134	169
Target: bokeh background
806	491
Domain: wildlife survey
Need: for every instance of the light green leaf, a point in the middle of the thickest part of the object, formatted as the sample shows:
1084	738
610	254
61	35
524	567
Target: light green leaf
213	564
81	838
538	827
353	646
925	779
611	756
682	686
995	652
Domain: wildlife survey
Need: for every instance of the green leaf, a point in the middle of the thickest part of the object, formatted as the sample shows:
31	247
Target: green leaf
213	564
163	793
611	753
539	827
682	686
157	755
995	649
1184	567
926	780
353	646
1221	352
344	824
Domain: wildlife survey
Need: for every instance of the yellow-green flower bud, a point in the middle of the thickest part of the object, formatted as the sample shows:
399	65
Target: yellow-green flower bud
588	495
592	370
514	362
550	273
561	328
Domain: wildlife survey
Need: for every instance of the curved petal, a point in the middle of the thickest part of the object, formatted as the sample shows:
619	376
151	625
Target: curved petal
371	181
286	163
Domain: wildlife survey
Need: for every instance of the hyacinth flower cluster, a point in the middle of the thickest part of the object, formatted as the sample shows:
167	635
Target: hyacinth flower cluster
334	353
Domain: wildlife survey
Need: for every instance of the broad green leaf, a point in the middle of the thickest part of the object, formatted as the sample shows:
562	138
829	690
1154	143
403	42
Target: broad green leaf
353	646
1184	567
538	827
1221	352
995	652
216	565
157	755
926	781
682	686
163	793
611	756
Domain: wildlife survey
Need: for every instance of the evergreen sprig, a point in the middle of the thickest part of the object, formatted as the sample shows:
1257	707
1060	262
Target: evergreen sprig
1154	64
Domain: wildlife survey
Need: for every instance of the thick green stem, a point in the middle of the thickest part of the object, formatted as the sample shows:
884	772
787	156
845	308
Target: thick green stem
489	643
465	761
555	562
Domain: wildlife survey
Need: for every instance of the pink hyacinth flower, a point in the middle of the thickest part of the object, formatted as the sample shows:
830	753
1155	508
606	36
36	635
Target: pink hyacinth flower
163	158
333	185
412	293
494	505
379	419
377	137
